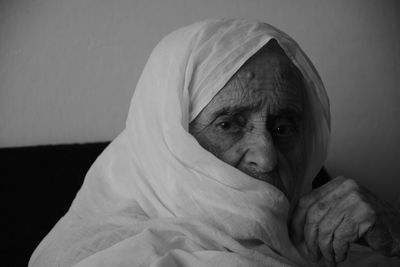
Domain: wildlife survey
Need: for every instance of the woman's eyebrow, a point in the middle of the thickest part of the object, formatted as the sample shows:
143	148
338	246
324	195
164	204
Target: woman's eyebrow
290	108
286	111
232	110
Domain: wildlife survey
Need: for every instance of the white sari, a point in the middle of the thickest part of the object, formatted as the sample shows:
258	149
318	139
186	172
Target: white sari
155	197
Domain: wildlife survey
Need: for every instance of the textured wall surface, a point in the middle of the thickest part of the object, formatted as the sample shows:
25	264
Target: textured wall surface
68	69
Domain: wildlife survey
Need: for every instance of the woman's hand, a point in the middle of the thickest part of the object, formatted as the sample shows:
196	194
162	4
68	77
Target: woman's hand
339	213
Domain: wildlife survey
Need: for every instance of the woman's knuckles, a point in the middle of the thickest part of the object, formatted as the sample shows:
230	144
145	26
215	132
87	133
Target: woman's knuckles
350	184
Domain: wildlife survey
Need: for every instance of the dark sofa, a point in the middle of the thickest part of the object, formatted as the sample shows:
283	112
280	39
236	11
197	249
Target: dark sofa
38	184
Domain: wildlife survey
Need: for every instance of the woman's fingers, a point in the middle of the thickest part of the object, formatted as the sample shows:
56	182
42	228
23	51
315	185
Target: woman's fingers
319	235
345	234
333	217
340	249
326	237
345	224
306	202
311	229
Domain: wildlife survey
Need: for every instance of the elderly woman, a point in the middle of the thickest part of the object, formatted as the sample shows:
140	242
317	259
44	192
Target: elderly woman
227	128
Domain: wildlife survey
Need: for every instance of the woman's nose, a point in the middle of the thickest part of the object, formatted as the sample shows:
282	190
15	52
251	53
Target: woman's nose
261	154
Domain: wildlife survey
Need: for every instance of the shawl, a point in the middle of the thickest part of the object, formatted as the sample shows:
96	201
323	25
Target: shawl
155	197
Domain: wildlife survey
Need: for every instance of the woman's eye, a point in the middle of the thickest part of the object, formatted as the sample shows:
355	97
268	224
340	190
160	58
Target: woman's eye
225	125
285	130
228	126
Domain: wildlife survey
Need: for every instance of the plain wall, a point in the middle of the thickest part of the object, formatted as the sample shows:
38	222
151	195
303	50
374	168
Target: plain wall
68	69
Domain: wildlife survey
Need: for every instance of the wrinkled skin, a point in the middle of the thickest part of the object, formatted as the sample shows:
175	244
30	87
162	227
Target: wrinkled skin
342	212
256	123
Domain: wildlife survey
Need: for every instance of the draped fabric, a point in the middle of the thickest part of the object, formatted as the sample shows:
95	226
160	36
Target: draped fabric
155	197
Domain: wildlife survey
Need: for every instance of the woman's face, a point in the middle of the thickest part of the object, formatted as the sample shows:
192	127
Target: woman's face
256	122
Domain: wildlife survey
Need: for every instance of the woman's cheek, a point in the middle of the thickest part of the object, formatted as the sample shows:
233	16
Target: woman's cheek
222	146
233	153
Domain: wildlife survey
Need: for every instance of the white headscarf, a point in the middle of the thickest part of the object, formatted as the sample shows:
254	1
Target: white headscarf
155	196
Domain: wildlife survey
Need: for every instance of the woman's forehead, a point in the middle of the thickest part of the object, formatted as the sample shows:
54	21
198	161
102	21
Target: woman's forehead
267	80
